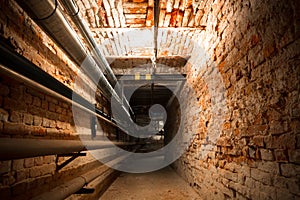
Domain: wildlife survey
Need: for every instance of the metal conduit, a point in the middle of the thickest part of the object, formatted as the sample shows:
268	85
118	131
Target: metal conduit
73	11
17	148
16	66
156	21
69	188
58	28
20	68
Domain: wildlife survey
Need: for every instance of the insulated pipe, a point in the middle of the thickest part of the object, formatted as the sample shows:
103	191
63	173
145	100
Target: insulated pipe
12	74
16	148
63	191
48	15
73	11
70	187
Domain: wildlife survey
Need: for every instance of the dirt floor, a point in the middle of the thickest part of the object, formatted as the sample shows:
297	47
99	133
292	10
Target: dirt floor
164	184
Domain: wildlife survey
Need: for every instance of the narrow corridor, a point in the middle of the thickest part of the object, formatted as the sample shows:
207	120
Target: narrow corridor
149	99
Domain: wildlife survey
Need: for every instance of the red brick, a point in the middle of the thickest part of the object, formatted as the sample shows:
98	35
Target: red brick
39	160
53	131
35	93
294	156
4	90
28	98
36	110
52	115
273	115
269	167
28	162
64	118
285	141
224	141
28	119
16	117
18	164
296	113
266	154
5	166
278	127
63	111
52	107
280	155
48	159
48	169
36	101
261	176
256	129
3	115
34	172
59	124
14	105
13	128
289	170
52	100
58	109
22	175
258	141
298	141
65	105
8	179
295	125
37	121
16	93
53	123
45	105
38	131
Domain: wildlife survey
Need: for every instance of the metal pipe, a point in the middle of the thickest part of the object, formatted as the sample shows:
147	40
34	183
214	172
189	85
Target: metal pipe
38	78
156	21
17	148
73	10
69	188
58	28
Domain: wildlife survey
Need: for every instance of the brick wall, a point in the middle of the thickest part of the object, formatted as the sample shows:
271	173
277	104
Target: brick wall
29	112
252	76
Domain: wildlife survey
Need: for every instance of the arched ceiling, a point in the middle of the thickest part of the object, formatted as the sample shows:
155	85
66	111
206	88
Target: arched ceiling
139	13
124	29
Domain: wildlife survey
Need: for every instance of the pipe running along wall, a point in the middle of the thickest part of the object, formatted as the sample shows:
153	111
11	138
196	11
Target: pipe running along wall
30	74
72	186
13	148
73	10
48	15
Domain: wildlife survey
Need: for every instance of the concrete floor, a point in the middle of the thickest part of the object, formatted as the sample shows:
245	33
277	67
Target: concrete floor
160	185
